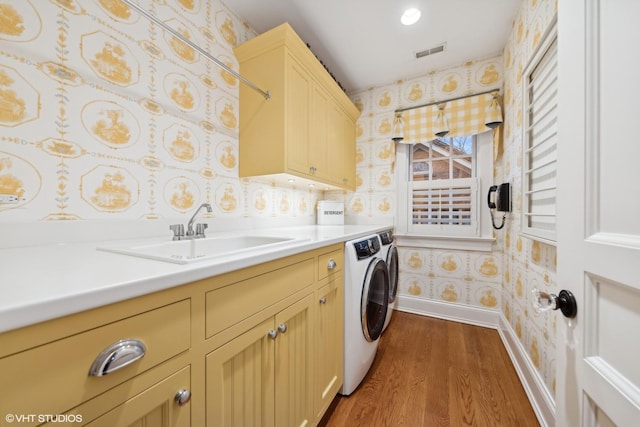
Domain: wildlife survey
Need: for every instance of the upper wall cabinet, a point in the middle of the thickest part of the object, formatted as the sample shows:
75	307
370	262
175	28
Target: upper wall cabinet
306	129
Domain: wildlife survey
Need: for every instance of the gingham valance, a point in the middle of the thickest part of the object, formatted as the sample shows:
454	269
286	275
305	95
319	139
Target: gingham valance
462	117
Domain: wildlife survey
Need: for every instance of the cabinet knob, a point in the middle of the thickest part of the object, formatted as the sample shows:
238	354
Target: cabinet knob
282	328
323	300
331	265
117	356
272	334
182	397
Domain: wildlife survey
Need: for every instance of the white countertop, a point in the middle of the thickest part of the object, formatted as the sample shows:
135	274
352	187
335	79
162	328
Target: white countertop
45	282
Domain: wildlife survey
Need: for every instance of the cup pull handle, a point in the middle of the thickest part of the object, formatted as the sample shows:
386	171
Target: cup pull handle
117	356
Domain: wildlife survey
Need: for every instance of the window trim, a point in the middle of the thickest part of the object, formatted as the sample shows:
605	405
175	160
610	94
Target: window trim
484	239
549	38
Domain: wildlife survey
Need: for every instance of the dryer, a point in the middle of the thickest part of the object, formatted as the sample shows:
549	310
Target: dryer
366	300
389	253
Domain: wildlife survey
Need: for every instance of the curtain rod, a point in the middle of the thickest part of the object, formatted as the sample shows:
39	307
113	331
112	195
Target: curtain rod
400	110
194	46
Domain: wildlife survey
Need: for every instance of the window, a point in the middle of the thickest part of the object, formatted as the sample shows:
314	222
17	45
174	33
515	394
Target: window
443	186
540	142
440	188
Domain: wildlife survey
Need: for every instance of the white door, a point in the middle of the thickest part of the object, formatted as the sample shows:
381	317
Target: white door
598	352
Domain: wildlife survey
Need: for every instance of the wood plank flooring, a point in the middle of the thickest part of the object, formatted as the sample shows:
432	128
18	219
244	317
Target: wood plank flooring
431	372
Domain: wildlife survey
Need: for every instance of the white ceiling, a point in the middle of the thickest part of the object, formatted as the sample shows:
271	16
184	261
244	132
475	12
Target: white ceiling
364	45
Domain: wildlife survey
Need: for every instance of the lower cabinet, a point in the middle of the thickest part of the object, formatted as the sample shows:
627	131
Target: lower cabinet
261	346
329	347
165	404
263	377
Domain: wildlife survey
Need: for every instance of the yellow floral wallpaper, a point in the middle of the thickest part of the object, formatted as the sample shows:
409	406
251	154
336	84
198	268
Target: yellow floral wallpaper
375	152
105	115
528	264
461	277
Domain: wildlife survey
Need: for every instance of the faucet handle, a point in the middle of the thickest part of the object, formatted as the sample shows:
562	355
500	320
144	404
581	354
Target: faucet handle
178	231
200	230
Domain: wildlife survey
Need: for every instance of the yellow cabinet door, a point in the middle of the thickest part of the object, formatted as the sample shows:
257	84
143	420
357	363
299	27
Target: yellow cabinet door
240	383
297	116
293	365
329	346
318	143
156	406
347	150
341	148
263	377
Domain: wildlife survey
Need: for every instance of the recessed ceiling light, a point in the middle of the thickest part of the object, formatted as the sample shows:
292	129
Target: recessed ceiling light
410	16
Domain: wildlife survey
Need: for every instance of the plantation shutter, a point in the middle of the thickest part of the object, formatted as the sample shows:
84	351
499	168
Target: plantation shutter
540	147
438	205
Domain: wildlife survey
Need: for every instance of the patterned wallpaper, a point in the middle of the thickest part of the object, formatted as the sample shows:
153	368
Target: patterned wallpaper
462	277
528	264
104	115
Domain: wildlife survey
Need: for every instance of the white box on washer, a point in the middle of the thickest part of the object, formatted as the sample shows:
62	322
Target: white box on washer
330	212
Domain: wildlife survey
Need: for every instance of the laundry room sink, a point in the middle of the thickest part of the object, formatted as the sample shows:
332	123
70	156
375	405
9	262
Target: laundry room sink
193	250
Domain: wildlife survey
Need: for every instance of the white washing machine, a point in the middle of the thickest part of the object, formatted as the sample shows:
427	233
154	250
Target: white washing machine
389	253
366	299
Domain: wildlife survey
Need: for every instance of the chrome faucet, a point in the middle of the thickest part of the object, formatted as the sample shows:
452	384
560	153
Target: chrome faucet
178	229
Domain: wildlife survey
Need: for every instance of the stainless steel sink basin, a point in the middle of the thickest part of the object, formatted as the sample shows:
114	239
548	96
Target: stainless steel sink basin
187	251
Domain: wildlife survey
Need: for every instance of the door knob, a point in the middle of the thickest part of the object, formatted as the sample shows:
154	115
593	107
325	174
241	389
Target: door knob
565	301
282	328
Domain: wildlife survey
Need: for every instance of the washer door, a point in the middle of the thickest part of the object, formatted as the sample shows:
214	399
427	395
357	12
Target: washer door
375	299
392	265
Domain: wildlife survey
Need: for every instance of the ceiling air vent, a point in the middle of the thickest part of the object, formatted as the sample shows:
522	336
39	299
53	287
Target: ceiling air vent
432	51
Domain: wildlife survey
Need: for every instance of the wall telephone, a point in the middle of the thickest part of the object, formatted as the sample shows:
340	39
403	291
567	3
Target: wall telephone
501	201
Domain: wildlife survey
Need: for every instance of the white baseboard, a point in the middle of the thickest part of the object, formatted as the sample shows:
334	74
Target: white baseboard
542	402
449	311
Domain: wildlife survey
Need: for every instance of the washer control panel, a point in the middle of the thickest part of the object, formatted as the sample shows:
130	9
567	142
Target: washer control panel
367	248
386	237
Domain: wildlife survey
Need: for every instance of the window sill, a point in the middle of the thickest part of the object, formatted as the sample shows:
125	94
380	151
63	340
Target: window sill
481	244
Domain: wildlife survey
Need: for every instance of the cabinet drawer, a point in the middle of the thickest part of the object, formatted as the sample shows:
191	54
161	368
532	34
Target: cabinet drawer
330	263
239	301
54	377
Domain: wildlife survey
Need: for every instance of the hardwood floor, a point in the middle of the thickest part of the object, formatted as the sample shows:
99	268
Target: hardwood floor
430	372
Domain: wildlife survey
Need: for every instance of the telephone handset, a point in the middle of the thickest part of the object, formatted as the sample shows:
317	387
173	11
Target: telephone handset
502	199
501	202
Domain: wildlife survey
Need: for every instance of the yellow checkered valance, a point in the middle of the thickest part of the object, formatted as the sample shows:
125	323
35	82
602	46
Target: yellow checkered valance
461	117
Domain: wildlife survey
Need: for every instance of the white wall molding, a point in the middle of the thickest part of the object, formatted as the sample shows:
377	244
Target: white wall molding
541	400
449	311
543	403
